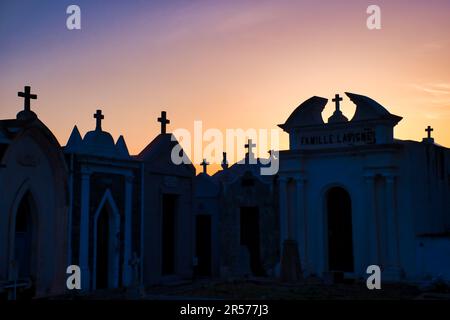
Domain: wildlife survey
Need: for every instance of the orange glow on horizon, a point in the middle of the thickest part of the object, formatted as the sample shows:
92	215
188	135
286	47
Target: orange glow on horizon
237	65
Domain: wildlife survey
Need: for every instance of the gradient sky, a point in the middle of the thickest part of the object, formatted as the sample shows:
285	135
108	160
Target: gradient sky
231	64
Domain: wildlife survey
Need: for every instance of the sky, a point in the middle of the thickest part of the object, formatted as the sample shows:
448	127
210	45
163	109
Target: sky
231	64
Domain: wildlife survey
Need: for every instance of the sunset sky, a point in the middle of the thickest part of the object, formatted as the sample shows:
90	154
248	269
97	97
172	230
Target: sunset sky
231	64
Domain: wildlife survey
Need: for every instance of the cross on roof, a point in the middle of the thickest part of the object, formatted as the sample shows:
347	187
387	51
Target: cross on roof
27	95
224	158
250	146
99	117
204	164
336	100
164	121
224	163
428	130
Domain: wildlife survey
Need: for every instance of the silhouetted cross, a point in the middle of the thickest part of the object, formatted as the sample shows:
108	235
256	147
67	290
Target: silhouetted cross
336	100
99	117
250	146
428	130
164	121
224	158
27	95
204	164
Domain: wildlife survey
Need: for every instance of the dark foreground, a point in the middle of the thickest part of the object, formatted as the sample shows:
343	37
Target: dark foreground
256	289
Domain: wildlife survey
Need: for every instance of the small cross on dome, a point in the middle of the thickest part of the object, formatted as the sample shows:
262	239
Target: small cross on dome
337	115
27	95
204	164
99	117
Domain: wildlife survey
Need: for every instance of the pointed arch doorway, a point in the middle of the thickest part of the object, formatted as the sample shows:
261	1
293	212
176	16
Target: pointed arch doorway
106	244
340	231
22	264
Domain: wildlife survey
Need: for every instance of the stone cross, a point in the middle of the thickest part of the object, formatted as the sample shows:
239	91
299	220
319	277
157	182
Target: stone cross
99	117
224	158
27	95
164	121
224	163
336	100
204	164
250	146
428	130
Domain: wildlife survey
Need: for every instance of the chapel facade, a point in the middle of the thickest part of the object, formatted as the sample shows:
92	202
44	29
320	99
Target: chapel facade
352	195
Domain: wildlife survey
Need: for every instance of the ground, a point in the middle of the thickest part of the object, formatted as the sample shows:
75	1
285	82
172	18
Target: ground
250	289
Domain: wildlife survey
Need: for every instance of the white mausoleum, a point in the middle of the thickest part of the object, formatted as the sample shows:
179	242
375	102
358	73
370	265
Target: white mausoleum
351	195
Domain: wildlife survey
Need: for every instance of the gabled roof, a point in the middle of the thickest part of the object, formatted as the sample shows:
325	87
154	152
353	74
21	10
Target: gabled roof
157	156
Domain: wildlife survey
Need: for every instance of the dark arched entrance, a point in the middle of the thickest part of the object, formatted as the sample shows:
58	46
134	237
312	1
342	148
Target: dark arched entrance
340	238
23	266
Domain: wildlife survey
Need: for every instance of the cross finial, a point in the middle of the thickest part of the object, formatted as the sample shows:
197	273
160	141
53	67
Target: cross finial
164	121
204	164
224	163
429	130
336	100
27	95
99	117
250	146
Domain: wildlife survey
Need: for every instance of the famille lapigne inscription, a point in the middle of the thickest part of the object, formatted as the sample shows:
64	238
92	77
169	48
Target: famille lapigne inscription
364	136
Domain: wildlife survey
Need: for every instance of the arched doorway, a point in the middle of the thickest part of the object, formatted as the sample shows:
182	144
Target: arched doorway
340	231
23	266
106	245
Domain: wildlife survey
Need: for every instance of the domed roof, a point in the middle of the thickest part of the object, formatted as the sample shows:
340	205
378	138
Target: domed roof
97	142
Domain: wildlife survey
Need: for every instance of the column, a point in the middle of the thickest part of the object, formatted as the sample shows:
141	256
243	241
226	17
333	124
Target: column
127	271
301	221
283	211
371	224
393	262
84	230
